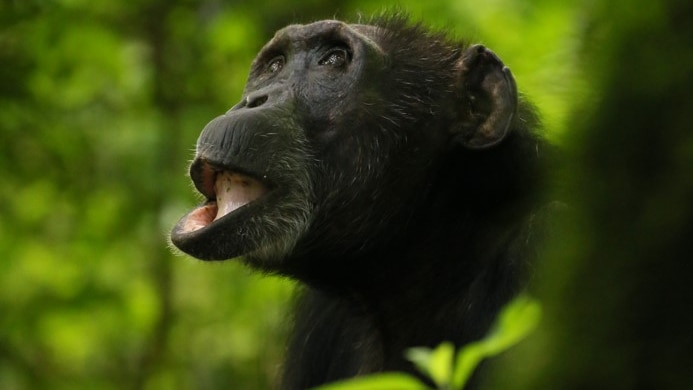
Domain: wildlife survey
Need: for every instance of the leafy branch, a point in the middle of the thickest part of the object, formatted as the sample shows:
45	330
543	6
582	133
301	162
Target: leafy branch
450	370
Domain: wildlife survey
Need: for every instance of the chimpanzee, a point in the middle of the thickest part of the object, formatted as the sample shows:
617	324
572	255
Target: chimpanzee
388	168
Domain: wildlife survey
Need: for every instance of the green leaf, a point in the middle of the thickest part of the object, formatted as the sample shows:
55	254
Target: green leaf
436	364
421	357
467	359
515	322
385	381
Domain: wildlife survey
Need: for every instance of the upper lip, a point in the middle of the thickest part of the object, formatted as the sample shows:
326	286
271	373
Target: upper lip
204	175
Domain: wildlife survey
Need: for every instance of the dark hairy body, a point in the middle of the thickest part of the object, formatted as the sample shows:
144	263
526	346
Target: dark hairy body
392	171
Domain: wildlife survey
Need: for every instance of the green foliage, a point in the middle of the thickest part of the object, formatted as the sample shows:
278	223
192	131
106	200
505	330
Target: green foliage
436	364
100	106
450	371
385	381
517	320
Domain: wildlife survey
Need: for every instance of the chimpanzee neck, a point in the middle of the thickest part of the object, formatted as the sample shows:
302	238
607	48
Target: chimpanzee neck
466	223
467	247
468	269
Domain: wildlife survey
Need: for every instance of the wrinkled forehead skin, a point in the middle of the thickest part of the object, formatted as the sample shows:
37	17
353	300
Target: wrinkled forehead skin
306	34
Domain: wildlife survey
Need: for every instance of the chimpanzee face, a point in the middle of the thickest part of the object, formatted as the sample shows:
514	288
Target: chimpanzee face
339	133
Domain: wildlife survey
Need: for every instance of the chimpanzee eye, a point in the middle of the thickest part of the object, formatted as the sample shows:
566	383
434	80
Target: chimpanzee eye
336	57
275	64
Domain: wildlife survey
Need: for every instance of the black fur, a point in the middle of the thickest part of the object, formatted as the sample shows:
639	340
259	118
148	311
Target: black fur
402	190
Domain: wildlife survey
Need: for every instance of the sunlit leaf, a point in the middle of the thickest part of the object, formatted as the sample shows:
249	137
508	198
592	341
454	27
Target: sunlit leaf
513	324
468	358
436	364
386	381
421	357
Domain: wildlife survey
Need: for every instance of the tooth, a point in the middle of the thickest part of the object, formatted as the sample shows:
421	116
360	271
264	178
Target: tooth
234	190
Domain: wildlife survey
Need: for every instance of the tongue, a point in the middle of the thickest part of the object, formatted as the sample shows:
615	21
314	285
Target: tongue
235	190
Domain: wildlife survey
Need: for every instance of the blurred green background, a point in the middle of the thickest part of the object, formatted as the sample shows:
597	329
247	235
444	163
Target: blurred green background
100	106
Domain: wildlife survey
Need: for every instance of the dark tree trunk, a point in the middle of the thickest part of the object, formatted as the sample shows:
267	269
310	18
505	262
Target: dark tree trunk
617	282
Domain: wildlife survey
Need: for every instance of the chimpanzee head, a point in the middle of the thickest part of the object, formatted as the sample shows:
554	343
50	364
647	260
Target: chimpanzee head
337	139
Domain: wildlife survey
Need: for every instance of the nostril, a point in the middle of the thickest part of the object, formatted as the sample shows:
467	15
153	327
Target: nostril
255	101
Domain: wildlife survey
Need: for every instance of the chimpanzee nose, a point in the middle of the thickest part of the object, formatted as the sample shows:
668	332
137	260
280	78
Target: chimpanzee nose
260	98
256	100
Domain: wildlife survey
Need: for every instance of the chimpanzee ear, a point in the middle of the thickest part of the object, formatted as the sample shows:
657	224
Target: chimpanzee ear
489	90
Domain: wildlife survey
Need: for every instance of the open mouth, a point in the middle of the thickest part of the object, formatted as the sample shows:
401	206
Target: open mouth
244	213
226	191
